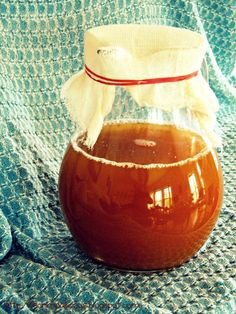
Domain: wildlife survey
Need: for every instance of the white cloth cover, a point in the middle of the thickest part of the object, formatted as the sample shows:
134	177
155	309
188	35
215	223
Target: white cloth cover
140	52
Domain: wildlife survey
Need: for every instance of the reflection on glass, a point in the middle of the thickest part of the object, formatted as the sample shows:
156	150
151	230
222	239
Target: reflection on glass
161	199
200	175
193	187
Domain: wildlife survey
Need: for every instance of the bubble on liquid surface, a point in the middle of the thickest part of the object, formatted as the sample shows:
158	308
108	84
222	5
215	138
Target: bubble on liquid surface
145	143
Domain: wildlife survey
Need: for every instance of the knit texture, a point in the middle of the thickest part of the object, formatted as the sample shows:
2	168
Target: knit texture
42	270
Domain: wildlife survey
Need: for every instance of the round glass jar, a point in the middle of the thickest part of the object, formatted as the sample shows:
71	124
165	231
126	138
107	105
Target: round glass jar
147	194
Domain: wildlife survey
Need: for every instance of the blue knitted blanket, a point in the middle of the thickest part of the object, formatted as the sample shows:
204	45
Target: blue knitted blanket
42	270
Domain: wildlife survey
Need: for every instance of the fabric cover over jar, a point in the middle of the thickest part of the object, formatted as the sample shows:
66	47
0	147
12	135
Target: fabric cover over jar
140	52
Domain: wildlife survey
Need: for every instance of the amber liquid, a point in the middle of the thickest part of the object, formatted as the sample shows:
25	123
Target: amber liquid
145	197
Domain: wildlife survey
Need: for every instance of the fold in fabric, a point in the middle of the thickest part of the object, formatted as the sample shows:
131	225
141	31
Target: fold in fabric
5	236
88	103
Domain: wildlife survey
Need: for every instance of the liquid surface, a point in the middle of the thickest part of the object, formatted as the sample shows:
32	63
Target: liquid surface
138	217
143	143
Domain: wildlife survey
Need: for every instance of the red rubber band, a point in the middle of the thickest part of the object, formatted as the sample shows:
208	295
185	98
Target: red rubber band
124	82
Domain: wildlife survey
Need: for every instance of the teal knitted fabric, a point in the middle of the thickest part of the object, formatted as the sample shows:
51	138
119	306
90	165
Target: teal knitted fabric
42	270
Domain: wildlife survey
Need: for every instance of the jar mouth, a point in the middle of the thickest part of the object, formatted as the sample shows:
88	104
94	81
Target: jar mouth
201	153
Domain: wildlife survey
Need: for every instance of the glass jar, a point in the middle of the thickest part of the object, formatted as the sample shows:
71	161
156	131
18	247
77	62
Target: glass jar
146	194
